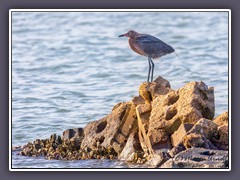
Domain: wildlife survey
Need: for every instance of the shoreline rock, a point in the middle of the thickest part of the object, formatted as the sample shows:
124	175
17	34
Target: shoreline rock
156	128
198	158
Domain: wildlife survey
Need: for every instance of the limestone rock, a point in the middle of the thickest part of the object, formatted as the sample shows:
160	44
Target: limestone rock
177	149
144	111
144	93
73	133
158	124
220	140
159	86
197	101
162	82
197	140
143	121
190	103
112	130
178	135
104	129
222	119
137	100
187	105
131	148
198	158
205	127
157	159
149	91
160	140
199	135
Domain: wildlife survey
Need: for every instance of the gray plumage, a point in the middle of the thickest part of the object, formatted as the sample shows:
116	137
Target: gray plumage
152	46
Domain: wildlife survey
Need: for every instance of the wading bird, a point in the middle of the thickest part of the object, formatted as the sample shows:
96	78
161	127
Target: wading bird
149	46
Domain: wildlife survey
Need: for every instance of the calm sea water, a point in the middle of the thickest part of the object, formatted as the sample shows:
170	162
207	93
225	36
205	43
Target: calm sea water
70	68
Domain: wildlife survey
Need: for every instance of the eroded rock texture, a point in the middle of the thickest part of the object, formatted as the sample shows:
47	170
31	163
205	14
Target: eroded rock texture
113	130
161	127
187	105
198	158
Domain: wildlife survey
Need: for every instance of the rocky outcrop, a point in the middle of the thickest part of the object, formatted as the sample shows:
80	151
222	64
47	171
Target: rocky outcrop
76	133
186	105
222	119
110	129
220	140
198	158
159	127
132	149
178	135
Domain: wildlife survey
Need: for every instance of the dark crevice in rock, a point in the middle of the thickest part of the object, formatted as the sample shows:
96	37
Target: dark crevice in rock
198	159
172	100
101	139
207	153
101	126
170	114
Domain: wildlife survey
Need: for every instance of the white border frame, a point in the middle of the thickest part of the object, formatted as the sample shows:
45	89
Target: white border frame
117	10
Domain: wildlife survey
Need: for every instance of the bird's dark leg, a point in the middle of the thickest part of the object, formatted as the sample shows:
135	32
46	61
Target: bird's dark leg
152	65
149	68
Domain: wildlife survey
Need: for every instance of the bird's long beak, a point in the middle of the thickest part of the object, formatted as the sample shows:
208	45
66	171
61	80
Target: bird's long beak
122	35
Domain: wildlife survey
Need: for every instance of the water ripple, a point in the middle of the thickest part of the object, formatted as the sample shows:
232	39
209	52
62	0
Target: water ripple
71	68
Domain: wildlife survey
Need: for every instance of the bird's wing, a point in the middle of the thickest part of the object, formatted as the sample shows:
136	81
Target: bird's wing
151	44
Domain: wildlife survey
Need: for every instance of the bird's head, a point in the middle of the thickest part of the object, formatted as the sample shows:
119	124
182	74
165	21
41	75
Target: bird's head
130	34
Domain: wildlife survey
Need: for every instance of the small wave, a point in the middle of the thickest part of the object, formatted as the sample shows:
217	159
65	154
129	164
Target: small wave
74	93
63	110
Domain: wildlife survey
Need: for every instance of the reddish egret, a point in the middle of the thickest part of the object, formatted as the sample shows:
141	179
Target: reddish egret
147	45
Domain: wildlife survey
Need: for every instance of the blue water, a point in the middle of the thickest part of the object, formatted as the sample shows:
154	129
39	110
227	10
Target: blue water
70	68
